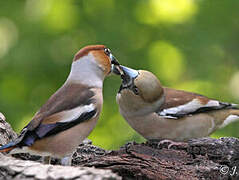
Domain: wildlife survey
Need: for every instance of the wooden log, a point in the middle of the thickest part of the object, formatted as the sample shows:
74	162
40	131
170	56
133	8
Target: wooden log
203	158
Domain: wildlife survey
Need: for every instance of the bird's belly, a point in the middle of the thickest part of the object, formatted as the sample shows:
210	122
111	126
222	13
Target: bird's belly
155	127
66	142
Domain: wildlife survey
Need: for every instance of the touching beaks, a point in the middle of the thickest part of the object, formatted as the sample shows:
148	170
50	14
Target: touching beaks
127	75
116	69
130	73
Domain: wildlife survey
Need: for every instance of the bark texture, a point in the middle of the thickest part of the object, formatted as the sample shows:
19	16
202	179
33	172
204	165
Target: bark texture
14	169
6	132
204	158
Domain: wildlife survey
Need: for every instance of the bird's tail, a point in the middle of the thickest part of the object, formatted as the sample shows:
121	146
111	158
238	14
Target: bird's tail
8	147
15	144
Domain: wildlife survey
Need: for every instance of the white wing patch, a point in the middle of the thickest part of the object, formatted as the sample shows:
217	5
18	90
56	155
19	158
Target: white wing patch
211	103
228	120
73	114
190	107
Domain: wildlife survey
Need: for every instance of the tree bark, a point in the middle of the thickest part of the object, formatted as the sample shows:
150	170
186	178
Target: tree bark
204	158
6	132
14	169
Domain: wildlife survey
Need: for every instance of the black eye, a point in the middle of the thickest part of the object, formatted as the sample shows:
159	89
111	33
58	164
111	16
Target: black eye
136	90
107	51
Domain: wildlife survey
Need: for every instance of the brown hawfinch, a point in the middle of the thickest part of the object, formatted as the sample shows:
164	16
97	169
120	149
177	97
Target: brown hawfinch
158	112
71	113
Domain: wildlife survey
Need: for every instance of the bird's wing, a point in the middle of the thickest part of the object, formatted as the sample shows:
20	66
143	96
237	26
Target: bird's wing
181	103
70	105
67	97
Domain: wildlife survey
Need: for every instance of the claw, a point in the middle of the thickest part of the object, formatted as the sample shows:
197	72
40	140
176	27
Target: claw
172	143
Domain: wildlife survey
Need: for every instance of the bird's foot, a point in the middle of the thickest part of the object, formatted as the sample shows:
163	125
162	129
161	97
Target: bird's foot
173	143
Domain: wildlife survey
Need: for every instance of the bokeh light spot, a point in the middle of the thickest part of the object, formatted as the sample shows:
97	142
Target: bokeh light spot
166	61
57	15
35	10
234	85
166	11
8	35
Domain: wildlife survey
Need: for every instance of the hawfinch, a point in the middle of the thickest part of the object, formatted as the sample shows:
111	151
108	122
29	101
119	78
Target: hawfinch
71	113
158	112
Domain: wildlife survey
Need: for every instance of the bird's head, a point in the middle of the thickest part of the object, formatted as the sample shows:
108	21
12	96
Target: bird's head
92	63
140	91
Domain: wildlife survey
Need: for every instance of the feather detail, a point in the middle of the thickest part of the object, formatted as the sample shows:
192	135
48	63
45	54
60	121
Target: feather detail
193	107
69	119
45	130
68	97
8	147
84	51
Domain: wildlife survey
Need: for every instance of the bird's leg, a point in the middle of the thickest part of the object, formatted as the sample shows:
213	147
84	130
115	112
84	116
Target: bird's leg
172	143
46	160
66	161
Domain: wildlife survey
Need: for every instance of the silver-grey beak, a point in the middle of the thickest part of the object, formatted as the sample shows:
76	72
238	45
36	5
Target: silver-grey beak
128	76
131	73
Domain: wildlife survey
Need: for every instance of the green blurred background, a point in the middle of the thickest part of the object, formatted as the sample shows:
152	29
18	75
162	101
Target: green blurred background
189	44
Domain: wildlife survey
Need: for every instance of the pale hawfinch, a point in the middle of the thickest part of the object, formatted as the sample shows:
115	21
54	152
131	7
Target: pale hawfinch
158	112
71	113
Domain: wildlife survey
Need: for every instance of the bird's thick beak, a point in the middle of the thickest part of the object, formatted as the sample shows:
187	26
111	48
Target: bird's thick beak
127	75
113	60
114	64
130	73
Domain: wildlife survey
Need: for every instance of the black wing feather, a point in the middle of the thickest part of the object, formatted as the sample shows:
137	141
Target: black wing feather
46	130
222	105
